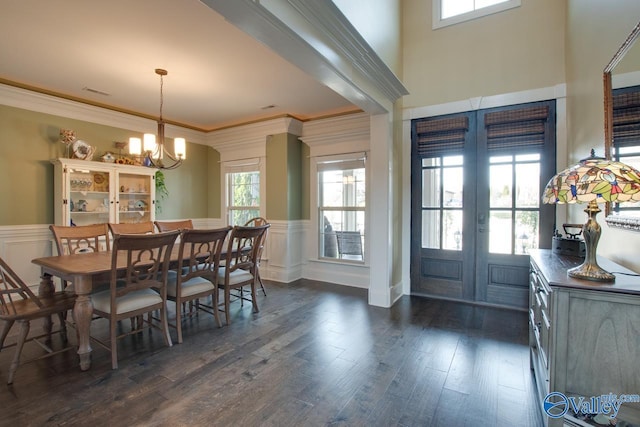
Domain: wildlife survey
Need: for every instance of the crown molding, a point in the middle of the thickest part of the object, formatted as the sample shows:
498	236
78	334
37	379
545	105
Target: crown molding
250	140
355	127
48	104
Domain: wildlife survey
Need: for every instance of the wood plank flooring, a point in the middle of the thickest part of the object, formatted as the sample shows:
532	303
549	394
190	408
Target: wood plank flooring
317	354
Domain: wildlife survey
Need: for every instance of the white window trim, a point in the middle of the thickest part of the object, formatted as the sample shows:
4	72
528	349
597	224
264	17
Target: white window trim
437	22
244	165
315	205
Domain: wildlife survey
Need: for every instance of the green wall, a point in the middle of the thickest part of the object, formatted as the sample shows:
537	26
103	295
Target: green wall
284	177
305	165
28	140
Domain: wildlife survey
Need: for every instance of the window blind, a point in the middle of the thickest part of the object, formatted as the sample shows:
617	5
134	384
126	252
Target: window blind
516	128
626	117
435	136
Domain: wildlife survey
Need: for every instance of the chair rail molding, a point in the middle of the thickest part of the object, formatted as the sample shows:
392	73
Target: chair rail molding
20	244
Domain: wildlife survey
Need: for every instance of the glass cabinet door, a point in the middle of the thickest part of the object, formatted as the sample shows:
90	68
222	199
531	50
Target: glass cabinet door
88	200
135	201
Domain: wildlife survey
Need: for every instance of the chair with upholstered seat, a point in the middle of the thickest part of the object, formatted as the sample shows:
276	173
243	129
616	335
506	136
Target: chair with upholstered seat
200	258
186	224
240	264
143	289
145	227
258	222
19	304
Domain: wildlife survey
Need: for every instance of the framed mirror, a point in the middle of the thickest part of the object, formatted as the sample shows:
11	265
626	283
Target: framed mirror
623	71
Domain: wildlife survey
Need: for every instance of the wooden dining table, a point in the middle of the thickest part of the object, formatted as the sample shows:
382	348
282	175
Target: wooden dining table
84	271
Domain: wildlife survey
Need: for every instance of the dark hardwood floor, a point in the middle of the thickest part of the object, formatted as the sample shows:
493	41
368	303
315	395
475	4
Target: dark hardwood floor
316	354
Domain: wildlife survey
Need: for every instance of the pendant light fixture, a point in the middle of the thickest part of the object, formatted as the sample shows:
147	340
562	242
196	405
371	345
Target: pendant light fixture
154	145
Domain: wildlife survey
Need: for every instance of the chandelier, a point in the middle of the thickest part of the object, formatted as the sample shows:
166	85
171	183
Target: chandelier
154	151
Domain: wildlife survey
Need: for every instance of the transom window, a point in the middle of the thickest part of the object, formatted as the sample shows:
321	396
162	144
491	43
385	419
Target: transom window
341	209
449	12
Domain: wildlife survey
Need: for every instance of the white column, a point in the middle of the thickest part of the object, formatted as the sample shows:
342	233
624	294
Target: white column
380	250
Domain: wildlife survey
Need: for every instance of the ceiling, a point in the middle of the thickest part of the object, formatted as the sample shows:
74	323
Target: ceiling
105	53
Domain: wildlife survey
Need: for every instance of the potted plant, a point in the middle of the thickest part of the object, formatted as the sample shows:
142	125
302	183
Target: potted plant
161	191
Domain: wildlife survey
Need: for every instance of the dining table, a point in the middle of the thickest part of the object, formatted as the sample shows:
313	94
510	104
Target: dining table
84	271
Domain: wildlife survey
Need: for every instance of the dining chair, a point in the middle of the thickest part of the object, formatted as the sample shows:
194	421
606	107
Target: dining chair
257	222
240	264
19	304
175	225
145	227
80	239
143	289
186	224
199	256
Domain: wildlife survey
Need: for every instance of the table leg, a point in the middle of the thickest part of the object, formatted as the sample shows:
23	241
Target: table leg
82	313
46	289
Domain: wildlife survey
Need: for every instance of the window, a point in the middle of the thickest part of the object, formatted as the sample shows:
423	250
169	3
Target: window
243	192
341	209
449	12
626	134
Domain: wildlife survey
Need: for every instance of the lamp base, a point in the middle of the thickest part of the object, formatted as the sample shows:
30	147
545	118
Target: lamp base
591	271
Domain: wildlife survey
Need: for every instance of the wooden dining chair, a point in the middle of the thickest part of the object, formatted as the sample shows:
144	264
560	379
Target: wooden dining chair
240	264
19	304
200	258
145	227
186	224
80	239
257	222
143	289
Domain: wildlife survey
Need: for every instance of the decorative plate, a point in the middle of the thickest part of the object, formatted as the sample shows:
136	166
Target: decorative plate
98	178
82	150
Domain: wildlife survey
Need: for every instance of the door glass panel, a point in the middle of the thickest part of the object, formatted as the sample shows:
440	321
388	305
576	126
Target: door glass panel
431	229
88	196
135	198
527	185
526	231
500	190
452	187
500	232
431	188
452	230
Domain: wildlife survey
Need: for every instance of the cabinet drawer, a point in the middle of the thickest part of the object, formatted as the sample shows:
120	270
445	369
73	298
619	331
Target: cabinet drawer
540	315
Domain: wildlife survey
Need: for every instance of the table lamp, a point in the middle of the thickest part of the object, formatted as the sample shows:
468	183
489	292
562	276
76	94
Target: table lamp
594	180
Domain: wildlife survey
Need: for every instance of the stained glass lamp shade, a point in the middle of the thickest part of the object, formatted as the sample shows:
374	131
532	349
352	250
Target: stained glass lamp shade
594	180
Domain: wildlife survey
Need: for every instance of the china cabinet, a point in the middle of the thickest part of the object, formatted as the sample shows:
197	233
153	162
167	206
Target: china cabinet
88	192
584	340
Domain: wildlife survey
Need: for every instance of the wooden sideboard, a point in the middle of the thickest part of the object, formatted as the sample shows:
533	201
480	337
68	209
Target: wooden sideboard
584	336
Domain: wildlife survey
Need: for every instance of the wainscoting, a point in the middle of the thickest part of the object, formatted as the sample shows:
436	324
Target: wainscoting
287	256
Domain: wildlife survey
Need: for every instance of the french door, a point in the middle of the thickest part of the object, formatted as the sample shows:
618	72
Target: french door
477	181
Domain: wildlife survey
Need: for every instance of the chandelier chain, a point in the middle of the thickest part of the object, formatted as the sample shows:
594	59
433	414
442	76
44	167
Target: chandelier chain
161	96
